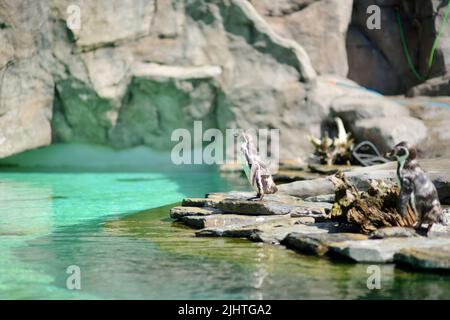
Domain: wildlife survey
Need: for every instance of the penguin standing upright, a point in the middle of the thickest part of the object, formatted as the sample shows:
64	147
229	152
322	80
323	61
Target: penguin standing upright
255	169
415	187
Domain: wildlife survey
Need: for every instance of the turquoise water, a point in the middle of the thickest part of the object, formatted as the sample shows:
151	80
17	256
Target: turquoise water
107	213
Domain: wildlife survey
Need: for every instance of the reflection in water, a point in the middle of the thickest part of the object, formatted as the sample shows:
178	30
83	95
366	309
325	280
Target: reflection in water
26	209
101	222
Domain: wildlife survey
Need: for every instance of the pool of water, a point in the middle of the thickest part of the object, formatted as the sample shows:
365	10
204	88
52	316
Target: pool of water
110	218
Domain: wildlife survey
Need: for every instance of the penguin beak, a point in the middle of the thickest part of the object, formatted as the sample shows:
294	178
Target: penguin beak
390	155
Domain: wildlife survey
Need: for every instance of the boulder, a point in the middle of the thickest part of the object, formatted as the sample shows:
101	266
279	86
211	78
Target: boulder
383	251
434	258
317	244
381	121
386	132
439	86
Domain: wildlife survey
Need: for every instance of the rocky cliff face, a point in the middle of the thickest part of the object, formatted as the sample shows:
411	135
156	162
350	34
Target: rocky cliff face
376	57
26	82
138	69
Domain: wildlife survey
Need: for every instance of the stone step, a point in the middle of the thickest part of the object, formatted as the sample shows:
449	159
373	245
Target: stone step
179	212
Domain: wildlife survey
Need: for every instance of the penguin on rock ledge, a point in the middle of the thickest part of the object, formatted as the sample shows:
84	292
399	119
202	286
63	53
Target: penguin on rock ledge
257	172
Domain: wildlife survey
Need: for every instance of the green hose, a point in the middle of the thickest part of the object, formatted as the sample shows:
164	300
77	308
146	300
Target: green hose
438	36
433	48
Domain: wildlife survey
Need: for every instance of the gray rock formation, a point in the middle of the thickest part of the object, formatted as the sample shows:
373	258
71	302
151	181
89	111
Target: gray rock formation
319	26
136	70
434	258
26	83
215	60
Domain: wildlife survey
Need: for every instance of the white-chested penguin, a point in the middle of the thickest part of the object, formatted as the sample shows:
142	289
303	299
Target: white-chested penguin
415	187
255	169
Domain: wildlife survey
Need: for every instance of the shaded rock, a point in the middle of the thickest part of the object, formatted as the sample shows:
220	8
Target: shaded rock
393	232
378	61
80	115
434	258
439	86
318	244
179	212
250	233
382	251
189	96
381	53
368	65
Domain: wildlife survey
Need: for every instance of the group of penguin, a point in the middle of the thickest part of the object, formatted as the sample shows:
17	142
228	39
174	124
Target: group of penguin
416	188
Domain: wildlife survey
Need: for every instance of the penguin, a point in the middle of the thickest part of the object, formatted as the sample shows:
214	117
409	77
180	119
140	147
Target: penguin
415	187
257	172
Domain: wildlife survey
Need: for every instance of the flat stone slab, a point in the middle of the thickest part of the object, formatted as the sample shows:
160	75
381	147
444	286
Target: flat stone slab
383	250
271	231
394	232
179	212
434	258
228	220
317	244
329	198
238	203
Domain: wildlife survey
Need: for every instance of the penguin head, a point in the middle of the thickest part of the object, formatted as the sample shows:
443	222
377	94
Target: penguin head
402	152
